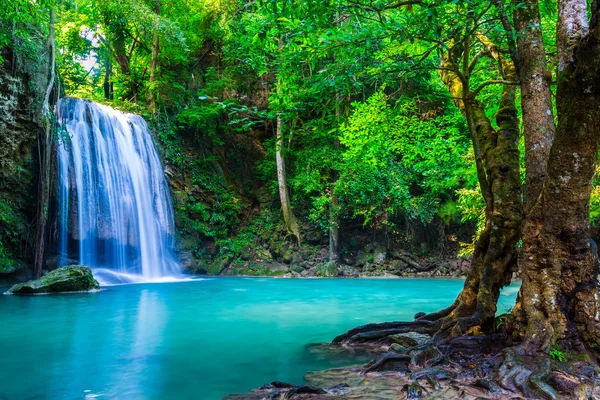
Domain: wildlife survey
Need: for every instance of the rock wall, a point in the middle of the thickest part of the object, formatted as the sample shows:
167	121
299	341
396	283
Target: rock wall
22	87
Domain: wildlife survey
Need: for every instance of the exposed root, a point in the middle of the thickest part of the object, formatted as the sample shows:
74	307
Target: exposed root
527	375
375	332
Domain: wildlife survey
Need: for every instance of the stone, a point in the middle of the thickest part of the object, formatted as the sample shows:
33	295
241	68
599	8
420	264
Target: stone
397	267
276	267
379	255
9	267
74	278
297	268
349	271
326	270
288	255
264	254
363	258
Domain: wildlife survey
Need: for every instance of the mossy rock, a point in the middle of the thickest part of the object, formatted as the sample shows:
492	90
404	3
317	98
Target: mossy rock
326	270
74	278
9	267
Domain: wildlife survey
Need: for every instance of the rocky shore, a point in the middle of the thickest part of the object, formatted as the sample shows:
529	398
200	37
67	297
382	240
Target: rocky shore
313	262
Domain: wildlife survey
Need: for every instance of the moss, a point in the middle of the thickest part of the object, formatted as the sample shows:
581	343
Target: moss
74	278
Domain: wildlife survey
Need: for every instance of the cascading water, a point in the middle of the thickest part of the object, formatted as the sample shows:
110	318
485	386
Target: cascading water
114	206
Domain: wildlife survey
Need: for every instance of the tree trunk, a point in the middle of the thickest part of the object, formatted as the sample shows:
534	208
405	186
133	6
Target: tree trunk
334	217
154	63
495	256
559	295
45	145
536	103
291	223
108	85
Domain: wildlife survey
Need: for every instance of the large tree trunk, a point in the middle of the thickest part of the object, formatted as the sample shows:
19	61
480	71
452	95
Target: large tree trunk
495	256
45	146
559	295
536	103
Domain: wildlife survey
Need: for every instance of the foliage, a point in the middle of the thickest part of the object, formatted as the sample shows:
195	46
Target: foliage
401	160
557	354
10	234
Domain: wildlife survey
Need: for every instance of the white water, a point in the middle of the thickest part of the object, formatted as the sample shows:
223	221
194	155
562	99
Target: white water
110	174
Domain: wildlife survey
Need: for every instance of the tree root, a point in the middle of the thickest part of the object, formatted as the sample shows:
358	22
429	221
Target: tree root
375	332
527	375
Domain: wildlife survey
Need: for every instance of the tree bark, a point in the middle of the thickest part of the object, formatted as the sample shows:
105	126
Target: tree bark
334	218
536	103
154	62
291	223
108	85
497	157
559	295
45	145
572	25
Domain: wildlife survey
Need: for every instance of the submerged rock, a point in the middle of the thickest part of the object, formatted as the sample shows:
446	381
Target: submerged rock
73	278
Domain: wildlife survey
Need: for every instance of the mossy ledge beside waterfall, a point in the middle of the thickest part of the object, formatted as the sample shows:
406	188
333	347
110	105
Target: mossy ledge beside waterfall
114	211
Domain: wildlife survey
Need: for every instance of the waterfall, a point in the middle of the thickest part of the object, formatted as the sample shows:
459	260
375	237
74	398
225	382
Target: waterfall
114	208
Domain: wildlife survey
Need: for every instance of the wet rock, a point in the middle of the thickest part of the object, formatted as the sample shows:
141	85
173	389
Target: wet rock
419	315
362	258
326	270
379	255
287	255
264	254
186	260
299	269
278	268
409	339
9	267
349	272
397	267
74	278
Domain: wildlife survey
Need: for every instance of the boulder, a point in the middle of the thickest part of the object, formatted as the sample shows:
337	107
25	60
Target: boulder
349	271
379	255
74	278
278	268
287	255
326	270
363	258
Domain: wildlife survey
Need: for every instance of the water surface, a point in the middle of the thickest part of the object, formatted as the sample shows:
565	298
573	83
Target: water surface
197	339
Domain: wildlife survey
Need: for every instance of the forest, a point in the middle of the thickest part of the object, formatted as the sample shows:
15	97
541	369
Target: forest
196	142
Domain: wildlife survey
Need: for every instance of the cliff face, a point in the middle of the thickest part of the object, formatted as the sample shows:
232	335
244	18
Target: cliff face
22	84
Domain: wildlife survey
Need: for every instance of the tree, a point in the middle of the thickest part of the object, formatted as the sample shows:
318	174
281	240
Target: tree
559	297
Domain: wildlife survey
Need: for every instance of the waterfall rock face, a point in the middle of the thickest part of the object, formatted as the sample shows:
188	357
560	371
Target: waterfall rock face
114	205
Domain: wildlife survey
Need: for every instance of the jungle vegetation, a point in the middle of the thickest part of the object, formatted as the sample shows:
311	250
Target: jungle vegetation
375	112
